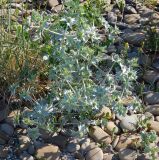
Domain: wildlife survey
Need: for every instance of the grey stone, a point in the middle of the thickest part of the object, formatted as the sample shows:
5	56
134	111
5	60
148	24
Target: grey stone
112	17
73	147
127	154
155	63
129	123
154	109
24	142
7	129
135	38
152	98
130	10
31	149
26	156
151	76
3	107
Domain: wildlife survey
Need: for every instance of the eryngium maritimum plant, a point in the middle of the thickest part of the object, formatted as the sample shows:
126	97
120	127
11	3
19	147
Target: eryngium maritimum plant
74	42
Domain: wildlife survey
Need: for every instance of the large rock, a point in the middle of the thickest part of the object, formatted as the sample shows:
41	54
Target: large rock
94	154
152	98
129	123
49	152
99	135
135	38
154	109
127	154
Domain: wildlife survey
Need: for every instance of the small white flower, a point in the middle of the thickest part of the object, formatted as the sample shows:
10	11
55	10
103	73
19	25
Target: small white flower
45	58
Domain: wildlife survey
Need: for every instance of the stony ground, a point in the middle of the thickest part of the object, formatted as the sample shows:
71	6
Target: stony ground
117	140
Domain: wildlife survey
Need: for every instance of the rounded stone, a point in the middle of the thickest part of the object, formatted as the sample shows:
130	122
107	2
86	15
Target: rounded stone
7	129
111	128
154	125
129	123
99	135
154	109
127	141
49	152
94	154
24	142
152	98
105	111
26	156
73	147
127	154
4	152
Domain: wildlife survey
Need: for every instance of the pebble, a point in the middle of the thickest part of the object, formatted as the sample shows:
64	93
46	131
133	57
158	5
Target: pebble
130	10
154	125
53	3
129	123
111	17
3	152
155	63
3	105
94	154
31	149
2	141
115	141
127	154
59	141
149	115
24	142
151	98
154	109
135	38
111	128
145	60
151	76
73	147
127	141
105	111
99	135
49	152
7	129
131	18
157	118
26	156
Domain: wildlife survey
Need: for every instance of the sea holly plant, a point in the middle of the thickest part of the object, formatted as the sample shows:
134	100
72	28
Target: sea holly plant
148	144
73	45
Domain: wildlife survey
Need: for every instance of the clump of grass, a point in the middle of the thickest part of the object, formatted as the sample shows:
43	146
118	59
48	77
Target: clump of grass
21	64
